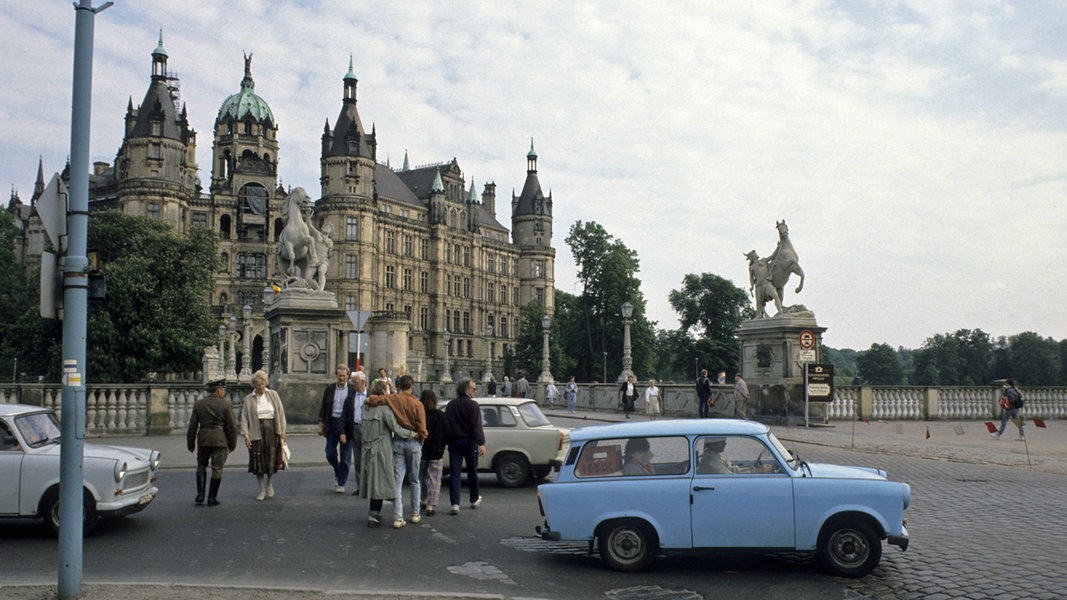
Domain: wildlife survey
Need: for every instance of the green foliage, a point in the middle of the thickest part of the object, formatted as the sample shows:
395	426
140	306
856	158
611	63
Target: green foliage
606	269
1035	360
711	305
14	296
844	362
962	358
880	365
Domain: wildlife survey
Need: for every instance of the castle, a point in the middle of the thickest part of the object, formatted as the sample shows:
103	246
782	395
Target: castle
426	257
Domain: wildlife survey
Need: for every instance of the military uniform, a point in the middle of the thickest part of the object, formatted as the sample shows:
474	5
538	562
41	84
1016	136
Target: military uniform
213	434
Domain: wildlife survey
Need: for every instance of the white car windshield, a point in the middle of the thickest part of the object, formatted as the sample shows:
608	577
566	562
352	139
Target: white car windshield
791	458
38	429
531	413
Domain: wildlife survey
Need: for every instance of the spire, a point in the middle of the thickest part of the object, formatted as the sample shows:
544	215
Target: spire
350	83
531	160
438	187
407	166
472	197
159	58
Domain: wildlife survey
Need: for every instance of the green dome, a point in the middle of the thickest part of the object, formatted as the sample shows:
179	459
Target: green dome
246	103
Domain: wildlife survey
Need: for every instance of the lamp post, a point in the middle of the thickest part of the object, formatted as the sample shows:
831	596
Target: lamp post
231	358
546	324
447	376
605	367
488	354
627	310
246	346
222	351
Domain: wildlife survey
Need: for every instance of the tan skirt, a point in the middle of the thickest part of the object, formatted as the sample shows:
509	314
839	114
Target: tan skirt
263	458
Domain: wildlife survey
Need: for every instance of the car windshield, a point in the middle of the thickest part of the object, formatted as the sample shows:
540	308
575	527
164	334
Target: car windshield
531	413
791	459
38	429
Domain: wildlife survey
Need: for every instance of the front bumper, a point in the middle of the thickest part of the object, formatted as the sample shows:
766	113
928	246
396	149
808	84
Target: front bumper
127	505
901	540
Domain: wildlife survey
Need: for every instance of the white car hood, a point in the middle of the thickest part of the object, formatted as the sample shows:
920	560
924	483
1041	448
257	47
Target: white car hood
134	457
828	471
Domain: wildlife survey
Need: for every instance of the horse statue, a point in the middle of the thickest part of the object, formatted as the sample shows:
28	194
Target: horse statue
296	244
783	262
760	285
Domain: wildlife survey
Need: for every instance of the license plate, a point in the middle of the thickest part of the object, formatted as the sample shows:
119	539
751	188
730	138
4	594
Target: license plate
147	498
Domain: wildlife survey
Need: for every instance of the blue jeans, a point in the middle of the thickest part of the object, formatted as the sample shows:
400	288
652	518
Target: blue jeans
334	430
459	451
406	457
572	401
1011	413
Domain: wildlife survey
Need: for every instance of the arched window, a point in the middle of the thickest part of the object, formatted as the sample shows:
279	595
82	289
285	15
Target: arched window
224	226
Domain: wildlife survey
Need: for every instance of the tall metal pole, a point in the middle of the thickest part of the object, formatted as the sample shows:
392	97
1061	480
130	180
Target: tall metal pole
75	299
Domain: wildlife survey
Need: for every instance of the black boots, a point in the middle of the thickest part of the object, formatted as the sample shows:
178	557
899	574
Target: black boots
213	492
201	483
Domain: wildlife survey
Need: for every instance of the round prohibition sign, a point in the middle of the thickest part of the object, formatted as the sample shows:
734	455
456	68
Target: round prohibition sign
807	339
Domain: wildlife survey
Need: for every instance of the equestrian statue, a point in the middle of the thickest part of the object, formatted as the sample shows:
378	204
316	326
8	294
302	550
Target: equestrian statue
768	276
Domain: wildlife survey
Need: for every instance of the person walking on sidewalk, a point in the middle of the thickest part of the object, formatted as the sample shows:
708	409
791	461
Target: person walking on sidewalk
358	381
703	394
263	427
1010	403
571	394
433	452
336	423
213	434
551	394
628	395
653	405
466	442
522	387
741	396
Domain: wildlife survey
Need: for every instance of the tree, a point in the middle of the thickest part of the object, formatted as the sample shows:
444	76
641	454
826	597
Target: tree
880	365
15	296
711	305
606	269
1034	360
844	362
961	358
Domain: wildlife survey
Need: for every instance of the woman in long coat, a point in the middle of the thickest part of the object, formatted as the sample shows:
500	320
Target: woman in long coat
377	479
263	427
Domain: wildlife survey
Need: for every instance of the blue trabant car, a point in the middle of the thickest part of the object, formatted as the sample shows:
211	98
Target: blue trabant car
633	489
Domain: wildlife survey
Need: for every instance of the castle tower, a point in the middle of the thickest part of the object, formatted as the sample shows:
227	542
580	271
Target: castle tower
531	227
155	169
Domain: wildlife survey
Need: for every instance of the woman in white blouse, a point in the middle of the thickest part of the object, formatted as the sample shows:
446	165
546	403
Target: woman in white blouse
652	400
263	427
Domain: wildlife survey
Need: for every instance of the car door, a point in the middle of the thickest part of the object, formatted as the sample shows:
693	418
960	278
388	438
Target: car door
748	504
10	469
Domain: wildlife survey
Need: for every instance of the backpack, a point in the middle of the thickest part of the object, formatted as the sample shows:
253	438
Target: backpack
1017	402
1014	398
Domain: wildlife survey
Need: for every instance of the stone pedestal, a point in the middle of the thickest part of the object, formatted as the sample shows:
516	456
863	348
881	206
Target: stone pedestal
388	347
308	339
772	363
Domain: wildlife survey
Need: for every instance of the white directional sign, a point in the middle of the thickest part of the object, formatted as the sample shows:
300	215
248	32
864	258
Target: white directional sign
52	208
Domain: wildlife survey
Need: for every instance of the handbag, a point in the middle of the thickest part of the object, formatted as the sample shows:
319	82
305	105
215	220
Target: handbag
1005	402
285	455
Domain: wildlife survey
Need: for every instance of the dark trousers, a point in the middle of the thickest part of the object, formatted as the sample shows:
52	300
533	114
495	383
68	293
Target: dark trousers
214	455
356	443
338	460
459	451
703	409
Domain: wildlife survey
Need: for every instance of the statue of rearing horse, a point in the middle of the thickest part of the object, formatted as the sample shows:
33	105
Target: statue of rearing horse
783	261
296	246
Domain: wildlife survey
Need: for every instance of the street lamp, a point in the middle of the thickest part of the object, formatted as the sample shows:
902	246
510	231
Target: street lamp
222	351
447	376
546	376
627	360
488	354
231	358
246	347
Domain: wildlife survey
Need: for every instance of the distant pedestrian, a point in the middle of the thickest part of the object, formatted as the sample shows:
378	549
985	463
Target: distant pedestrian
213	434
377	477
507	387
704	401
433	453
466	442
1010	403
263	427
491	388
571	394
741	396
551	394
653	406
383	376
720	378
522	387
628	395
336	424
358	381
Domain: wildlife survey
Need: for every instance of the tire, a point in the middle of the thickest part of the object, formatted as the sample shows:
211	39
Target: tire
50	513
541	472
512	470
849	548
628	546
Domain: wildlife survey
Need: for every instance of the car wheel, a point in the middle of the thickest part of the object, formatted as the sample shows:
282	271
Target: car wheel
849	548
512	470
628	545
50	511
542	472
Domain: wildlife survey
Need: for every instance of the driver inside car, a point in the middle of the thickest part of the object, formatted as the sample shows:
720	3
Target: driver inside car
712	461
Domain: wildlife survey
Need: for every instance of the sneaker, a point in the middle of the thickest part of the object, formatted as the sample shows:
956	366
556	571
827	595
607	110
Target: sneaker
374	521
260	497
340	489
995	436
477	502
416	519
398	523
1020	439
454	510
430	511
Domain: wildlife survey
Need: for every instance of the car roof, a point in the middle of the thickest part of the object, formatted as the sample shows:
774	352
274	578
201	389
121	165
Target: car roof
499	401
11	410
670	427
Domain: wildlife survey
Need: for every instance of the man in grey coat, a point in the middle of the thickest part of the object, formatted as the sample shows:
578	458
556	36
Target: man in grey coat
213	434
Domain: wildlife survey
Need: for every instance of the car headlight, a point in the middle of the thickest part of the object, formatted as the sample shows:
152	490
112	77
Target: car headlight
154	459
120	470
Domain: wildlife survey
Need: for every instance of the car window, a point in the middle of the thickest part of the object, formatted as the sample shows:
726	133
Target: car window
38	429
532	415
723	455
497	416
637	456
7	439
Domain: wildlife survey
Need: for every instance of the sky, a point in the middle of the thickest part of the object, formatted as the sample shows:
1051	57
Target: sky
917	150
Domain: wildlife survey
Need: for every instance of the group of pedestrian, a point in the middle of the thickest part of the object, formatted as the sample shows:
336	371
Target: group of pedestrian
383	435
509	387
652	396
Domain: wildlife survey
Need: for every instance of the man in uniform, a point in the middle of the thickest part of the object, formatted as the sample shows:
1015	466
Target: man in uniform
213	435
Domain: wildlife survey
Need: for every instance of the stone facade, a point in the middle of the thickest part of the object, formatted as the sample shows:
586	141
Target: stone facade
417	247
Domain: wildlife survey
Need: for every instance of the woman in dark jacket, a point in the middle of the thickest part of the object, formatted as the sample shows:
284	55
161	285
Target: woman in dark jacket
433	451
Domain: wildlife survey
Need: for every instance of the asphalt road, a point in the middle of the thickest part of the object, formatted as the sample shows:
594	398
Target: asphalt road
978	531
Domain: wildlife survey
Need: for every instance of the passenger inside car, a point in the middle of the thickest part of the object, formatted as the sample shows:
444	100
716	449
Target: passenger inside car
638	458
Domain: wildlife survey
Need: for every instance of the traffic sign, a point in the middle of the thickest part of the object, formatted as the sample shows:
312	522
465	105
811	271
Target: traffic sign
807	339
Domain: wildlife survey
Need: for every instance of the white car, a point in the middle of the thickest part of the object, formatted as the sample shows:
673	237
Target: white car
520	442
118	481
